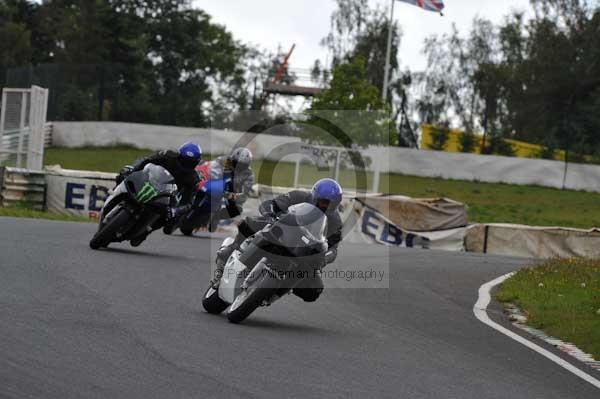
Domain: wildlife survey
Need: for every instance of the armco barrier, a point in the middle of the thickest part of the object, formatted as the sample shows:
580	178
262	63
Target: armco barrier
22	186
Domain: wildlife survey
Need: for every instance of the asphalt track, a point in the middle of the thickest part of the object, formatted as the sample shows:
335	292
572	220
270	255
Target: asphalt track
124	323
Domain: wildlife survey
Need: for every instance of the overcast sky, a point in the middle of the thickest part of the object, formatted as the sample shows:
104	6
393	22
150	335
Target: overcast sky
271	23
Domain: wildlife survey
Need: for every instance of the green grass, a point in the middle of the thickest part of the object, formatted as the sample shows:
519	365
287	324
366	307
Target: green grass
562	298
488	203
22	212
109	159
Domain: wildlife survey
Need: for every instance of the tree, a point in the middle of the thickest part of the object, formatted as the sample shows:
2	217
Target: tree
358	31
15	46
153	61
350	112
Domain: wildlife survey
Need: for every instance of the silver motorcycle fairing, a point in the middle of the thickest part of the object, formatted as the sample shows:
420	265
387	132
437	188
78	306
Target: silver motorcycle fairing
305	218
232	279
117	191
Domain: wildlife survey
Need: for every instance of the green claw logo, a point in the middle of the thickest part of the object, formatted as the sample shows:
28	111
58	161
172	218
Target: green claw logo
146	193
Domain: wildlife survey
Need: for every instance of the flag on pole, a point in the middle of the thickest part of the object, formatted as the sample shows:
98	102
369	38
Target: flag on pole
429	5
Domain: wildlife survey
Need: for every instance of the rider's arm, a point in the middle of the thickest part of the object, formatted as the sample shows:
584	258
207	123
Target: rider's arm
138	165
283	202
268	207
244	185
334	235
155	158
188	189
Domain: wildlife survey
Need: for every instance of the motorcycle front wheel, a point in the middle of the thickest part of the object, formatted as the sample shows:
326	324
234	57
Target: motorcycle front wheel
212	303
108	232
251	298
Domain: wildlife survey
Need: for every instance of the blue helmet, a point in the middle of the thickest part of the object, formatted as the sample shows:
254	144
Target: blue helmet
327	195
190	155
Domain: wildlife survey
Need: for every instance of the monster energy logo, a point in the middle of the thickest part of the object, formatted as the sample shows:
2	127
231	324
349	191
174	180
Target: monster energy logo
146	193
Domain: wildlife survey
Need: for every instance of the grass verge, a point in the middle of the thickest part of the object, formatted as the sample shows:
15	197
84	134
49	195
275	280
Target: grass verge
488	203
560	297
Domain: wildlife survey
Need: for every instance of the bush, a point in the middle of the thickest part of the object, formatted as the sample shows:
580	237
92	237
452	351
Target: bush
467	142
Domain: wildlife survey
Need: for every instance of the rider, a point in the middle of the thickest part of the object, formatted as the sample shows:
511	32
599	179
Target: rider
326	195
181	165
237	166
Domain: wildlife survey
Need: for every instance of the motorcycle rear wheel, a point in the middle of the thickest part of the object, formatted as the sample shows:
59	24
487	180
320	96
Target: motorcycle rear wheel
187	231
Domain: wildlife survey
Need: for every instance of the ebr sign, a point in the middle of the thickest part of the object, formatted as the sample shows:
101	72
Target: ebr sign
84	197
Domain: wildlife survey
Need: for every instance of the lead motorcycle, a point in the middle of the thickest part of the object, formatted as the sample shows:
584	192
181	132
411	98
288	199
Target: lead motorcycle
136	205
270	264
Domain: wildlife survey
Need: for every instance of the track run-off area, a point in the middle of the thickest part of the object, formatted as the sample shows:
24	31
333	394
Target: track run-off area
128	323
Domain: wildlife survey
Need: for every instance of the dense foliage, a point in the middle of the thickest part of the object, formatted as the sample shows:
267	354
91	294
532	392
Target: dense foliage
162	61
153	61
533	80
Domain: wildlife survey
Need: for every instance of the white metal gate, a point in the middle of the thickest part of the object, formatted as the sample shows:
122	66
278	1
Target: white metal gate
22	120
332	159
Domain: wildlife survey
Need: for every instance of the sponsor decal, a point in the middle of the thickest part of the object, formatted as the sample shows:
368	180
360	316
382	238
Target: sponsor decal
147	193
75	197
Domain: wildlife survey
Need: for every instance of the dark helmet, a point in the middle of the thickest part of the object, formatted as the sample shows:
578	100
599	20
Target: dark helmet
190	155
240	158
327	195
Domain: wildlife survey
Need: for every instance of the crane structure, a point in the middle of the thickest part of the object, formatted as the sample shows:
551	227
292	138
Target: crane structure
276	86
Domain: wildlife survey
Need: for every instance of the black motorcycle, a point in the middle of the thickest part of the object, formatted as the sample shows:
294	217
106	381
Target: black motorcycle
138	205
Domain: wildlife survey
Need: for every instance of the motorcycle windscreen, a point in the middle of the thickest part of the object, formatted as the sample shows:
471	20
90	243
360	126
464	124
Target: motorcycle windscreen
147	184
309	218
160	178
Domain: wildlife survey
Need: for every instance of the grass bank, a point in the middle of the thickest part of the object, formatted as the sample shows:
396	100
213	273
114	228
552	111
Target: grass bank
562	298
488	203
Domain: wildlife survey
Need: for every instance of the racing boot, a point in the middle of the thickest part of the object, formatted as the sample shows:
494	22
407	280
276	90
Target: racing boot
137	241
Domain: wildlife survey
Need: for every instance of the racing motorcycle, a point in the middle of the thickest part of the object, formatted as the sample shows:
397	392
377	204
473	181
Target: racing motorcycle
138	203
270	264
206	211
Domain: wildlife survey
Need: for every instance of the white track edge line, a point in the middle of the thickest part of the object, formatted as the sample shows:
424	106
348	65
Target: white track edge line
480	311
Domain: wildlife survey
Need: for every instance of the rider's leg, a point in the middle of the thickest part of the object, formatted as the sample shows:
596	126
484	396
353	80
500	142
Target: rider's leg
248	227
310	288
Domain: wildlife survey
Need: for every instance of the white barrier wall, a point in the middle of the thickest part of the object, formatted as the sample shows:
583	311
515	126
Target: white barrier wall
156	137
487	168
472	167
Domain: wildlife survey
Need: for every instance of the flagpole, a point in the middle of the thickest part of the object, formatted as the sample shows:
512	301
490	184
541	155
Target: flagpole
386	76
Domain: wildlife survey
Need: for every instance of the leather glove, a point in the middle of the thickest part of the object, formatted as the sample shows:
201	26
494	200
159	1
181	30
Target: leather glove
123	173
330	255
231	196
268	211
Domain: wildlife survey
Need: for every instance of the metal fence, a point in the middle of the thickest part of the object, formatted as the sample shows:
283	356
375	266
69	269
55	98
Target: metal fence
23	127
